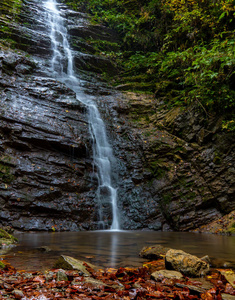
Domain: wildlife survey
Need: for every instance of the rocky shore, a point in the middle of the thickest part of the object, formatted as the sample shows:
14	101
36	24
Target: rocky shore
168	274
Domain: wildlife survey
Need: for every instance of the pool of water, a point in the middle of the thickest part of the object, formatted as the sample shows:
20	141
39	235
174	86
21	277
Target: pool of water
115	248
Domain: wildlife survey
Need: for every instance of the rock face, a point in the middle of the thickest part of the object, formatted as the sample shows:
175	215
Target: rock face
45	146
185	164
174	169
44	163
185	263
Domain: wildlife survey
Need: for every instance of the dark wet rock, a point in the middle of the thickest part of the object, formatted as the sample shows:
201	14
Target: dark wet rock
44	249
86	30
27	39
188	264
94	63
44	160
190	182
154	252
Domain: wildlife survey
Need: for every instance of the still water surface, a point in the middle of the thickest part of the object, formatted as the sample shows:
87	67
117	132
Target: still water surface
115	248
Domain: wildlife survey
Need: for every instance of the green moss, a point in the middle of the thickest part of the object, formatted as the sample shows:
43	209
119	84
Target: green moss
11	6
157	169
8	42
103	46
166	199
164	205
2	266
5	173
6	235
217	159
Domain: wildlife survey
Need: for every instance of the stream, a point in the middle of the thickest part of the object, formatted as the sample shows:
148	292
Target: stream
115	248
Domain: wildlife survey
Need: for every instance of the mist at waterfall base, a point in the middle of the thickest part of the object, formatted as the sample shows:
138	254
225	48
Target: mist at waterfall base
63	70
115	248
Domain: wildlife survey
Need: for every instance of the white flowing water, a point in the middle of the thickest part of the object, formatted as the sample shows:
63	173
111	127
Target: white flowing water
63	70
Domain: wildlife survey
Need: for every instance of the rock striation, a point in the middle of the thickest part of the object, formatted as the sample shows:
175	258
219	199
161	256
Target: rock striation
186	161
44	144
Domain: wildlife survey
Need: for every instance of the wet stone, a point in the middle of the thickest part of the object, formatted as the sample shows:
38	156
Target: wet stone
159	275
61	275
188	264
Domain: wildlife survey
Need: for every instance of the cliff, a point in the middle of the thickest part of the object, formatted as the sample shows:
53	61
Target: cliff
174	166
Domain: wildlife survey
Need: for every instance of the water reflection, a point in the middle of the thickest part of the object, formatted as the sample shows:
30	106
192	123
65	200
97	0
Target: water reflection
115	248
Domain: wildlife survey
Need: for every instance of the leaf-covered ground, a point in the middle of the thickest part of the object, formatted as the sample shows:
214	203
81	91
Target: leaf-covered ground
122	283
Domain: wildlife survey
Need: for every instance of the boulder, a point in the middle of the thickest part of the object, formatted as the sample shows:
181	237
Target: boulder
70	263
229	276
154	252
186	263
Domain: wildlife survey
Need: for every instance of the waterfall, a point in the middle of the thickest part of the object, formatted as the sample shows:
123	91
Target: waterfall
63	70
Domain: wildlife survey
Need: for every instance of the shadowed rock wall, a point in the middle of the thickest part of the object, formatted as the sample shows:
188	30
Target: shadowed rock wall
187	161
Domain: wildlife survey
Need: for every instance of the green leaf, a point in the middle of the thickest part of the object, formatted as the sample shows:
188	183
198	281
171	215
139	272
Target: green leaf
222	15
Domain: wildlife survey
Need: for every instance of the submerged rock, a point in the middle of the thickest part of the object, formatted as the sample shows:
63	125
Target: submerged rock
154	252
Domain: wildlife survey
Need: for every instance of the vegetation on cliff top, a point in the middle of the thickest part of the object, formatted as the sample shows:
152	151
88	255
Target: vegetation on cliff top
183	51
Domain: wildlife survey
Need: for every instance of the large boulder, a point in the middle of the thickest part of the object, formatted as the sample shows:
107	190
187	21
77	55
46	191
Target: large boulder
153	252
189	265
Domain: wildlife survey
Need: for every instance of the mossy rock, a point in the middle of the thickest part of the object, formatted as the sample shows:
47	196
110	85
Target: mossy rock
6	237
231	228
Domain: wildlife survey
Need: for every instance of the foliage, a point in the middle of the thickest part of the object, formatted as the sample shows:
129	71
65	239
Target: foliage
2	266
189	44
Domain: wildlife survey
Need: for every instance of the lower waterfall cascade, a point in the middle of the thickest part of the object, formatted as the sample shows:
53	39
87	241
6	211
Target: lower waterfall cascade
63	70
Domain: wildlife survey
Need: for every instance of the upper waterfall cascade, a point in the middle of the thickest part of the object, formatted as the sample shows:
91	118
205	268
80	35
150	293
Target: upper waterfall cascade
63	70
